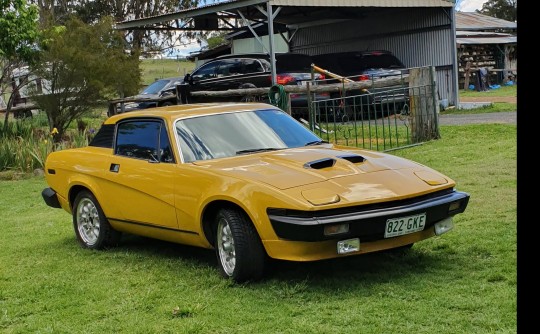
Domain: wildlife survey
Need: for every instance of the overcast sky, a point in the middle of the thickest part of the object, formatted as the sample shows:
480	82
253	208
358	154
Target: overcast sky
469	5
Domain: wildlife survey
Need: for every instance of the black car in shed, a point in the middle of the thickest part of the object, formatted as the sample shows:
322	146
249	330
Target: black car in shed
239	71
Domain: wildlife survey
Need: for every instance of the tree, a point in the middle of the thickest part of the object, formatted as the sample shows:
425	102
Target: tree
90	11
18	34
82	65
501	9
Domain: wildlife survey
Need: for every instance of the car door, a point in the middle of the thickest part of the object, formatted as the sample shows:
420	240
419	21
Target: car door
205	78
253	73
142	173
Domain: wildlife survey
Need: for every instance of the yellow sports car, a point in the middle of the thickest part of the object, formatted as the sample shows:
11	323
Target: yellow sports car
247	180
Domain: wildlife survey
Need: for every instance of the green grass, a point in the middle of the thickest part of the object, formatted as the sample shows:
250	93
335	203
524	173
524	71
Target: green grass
153	69
464	281
494	107
503	91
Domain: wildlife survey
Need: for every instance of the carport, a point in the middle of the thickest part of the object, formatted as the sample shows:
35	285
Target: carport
419	32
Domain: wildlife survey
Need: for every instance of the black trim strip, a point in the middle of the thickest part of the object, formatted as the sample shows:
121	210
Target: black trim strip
384	212
152	226
367	224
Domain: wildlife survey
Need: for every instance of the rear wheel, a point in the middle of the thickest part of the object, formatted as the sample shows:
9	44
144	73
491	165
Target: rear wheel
239	250
92	228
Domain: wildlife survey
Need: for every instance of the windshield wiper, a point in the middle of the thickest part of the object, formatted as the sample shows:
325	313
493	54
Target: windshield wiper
255	150
316	142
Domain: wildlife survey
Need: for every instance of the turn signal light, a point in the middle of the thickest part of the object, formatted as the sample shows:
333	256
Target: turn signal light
336	229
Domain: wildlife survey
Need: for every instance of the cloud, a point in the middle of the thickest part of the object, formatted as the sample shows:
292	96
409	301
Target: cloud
470	5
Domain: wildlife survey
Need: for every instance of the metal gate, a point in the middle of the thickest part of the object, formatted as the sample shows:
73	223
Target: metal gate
384	120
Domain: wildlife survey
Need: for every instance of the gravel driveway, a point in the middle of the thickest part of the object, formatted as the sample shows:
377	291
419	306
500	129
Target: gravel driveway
509	117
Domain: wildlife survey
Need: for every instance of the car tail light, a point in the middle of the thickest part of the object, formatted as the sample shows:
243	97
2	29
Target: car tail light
322	77
363	77
284	79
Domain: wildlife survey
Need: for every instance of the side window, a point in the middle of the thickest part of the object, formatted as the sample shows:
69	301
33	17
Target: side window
252	66
143	139
230	67
207	71
165	152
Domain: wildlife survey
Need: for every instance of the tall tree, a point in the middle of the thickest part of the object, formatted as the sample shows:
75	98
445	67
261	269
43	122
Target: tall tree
91	11
501	9
18	34
82	65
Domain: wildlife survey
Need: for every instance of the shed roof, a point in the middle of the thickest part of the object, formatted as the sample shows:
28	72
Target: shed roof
477	21
292	11
479	37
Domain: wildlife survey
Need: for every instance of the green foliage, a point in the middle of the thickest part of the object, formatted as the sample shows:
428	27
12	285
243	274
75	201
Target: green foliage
501	9
216	40
18	29
84	65
464	281
25	143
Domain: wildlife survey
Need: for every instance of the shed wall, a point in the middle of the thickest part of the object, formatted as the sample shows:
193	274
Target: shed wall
418	36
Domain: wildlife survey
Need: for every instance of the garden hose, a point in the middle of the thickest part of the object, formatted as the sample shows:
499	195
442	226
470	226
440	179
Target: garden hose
278	97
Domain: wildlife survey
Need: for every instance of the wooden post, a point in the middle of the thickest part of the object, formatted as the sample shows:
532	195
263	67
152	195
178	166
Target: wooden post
424	104
467	75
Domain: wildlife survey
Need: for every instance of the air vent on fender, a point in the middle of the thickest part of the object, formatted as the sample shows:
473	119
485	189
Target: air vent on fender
354	158
320	164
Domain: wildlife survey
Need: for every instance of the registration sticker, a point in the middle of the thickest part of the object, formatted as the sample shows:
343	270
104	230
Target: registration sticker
404	225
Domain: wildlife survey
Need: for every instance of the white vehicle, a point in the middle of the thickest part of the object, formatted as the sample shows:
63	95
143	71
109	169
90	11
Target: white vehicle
25	84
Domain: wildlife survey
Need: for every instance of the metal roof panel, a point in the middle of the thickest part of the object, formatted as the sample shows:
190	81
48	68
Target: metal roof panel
477	21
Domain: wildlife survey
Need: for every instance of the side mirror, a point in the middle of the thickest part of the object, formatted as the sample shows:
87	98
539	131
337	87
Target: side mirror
187	78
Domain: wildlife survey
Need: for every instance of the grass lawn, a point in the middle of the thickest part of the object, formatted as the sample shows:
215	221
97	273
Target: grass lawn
464	281
153	69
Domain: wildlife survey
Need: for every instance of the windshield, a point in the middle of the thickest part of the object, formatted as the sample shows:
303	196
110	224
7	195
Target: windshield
230	134
155	87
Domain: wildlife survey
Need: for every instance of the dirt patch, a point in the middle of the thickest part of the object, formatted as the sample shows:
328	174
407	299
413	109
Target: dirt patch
508	99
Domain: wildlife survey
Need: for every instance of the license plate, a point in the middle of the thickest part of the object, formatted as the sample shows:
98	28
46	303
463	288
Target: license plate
304	83
404	225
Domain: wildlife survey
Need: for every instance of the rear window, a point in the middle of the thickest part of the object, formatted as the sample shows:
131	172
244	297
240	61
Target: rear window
293	63
352	63
380	61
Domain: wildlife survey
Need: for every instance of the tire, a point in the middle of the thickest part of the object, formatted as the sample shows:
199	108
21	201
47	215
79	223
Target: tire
165	104
240	253
92	228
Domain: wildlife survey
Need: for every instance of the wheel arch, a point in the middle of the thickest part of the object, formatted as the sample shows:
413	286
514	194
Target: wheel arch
74	191
209	214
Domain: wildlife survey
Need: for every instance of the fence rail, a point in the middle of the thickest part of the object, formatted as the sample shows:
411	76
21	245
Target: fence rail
385	120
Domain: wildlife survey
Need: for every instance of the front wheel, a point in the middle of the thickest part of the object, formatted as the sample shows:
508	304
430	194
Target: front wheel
92	228
239	250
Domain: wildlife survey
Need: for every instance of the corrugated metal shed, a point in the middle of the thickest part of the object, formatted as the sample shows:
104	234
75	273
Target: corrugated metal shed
364	3
477	21
291	6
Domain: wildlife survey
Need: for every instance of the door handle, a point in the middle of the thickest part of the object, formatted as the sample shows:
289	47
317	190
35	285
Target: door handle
114	168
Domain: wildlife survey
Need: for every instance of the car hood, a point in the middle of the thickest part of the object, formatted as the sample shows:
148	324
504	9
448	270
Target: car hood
322	173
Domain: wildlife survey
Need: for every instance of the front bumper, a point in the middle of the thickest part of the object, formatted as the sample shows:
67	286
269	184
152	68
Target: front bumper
50	198
367	222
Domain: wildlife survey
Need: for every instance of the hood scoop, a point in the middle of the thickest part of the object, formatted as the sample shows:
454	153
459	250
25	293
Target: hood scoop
330	162
354	158
320	164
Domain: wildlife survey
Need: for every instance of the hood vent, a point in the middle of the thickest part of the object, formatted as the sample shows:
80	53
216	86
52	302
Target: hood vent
354	158
320	164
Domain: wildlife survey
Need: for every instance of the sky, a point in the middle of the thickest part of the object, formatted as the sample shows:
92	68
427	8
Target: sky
469	5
